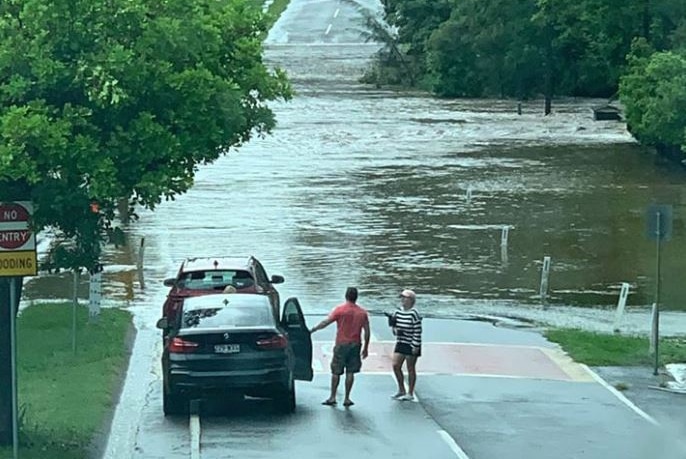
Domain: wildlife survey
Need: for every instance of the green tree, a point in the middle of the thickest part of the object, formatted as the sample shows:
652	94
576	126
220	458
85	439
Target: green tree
654	95
120	100
104	101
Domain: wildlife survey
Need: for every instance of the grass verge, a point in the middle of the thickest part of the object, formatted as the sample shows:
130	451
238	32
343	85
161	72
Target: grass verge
597	349
66	399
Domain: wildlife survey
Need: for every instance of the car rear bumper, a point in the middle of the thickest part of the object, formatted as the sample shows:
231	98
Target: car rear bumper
187	381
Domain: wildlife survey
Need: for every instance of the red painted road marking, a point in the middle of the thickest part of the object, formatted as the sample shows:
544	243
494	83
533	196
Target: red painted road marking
457	358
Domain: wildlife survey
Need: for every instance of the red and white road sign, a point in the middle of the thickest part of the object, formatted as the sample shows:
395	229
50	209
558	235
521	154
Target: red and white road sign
14	227
17	241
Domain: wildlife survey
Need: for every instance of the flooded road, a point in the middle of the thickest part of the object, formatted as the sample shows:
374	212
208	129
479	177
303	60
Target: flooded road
365	187
387	190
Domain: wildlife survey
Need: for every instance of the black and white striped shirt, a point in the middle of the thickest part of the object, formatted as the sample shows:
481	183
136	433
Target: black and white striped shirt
408	327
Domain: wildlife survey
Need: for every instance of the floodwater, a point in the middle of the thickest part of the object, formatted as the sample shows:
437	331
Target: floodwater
387	190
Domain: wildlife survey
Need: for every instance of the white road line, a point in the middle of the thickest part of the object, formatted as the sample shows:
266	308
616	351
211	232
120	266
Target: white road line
621	396
328	29
459	452
335	15
195	436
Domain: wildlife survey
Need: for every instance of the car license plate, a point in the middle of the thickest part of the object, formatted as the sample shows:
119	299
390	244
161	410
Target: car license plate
227	348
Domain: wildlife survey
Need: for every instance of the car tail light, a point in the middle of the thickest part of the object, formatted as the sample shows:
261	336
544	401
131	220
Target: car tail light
180	346
272	342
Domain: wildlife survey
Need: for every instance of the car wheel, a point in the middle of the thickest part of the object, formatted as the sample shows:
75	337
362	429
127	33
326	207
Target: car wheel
172	403
285	402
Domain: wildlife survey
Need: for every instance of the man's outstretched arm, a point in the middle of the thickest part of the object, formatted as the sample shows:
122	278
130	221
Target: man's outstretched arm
323	324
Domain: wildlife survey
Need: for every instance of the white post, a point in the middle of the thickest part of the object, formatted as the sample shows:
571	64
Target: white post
94	294
621	303
545	273
503	244
469	195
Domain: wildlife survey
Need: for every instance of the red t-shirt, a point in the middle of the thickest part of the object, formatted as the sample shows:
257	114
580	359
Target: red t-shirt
350	319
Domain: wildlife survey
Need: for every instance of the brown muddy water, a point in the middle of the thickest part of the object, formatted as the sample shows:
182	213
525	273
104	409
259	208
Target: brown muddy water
388	190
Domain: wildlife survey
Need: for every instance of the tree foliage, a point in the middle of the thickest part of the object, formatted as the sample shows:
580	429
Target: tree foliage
524	48
123	100
654	95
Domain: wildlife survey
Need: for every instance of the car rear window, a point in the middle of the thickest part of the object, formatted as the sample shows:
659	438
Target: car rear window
215	279
228	316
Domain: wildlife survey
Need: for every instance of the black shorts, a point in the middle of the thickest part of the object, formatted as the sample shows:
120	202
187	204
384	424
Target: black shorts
406	349
346	357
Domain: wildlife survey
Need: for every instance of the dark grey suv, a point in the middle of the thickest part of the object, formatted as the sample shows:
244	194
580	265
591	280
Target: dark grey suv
231	344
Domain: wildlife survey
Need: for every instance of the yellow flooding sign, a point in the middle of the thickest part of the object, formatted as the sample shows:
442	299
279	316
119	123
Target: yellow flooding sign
18	263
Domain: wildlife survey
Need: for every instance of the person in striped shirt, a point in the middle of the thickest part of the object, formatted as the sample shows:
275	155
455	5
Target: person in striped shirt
407	327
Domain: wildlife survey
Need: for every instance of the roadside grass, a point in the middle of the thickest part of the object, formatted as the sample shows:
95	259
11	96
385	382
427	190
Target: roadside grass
598	349
66	399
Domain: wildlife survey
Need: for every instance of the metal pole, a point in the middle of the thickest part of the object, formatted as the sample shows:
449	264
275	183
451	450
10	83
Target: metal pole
73	322
141	252
658	230
13	352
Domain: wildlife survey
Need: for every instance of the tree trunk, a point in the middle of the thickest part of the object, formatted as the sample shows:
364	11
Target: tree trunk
646	19
5	359
548	78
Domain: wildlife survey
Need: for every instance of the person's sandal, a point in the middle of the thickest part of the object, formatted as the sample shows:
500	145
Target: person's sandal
398	396
329	402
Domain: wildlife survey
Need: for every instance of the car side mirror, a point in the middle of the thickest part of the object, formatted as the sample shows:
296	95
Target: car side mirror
163	323
276	279
170	282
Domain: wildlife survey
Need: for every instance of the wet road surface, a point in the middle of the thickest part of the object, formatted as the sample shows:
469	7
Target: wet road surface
484	392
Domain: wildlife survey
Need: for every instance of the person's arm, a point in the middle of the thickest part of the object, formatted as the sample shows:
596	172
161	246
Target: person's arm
367	337
416	334
323	324
326	322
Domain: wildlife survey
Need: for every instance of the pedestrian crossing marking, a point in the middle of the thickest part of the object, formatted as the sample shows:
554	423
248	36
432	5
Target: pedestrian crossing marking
468	359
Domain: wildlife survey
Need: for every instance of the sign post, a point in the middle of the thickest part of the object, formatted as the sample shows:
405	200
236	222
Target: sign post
17	259
659	218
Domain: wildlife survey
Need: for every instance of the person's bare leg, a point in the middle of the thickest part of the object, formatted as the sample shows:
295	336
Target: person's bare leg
411	374
335	379
398	360
349	381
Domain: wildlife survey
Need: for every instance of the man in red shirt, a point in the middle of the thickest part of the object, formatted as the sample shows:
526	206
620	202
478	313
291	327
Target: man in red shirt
351	320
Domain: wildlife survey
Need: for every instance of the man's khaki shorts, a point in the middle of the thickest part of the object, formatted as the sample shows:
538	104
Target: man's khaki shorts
346	357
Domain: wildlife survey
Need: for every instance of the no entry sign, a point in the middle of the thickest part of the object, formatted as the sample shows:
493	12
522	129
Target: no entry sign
17	241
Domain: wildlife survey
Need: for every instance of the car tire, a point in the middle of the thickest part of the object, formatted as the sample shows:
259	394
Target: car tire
172	403
285	402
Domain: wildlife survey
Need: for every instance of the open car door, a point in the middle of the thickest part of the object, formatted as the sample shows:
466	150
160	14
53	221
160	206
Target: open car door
293	321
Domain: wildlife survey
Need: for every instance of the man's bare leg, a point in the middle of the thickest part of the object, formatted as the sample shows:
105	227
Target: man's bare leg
349	381
335	379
